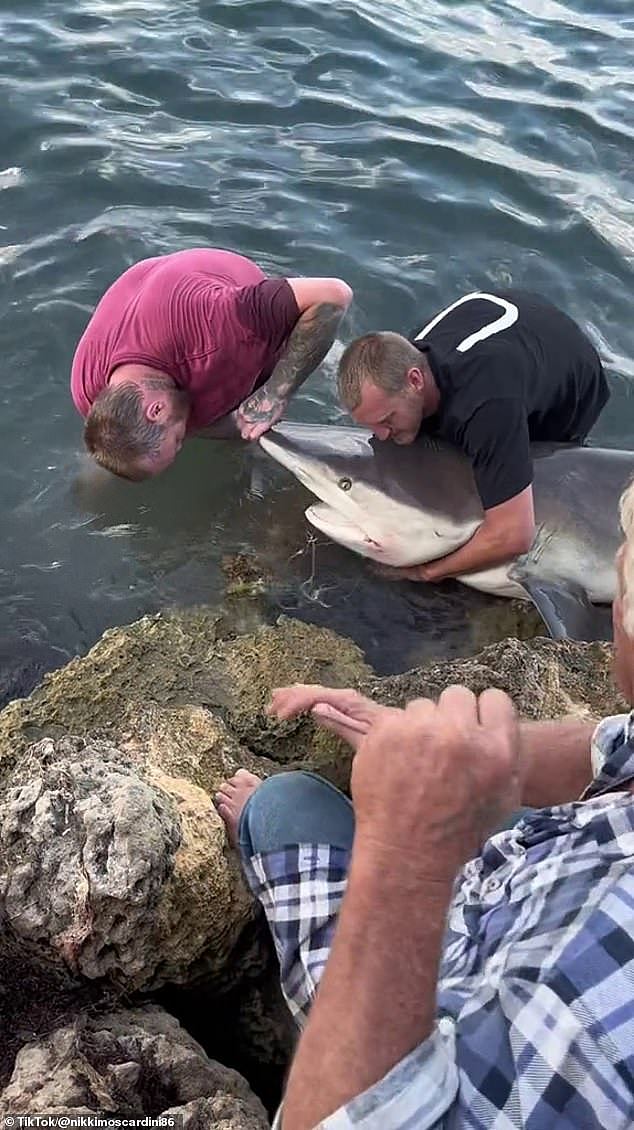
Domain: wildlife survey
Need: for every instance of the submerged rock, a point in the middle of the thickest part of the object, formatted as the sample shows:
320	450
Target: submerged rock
129	1063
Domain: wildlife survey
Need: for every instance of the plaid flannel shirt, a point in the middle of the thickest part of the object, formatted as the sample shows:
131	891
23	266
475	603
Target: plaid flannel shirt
535	1000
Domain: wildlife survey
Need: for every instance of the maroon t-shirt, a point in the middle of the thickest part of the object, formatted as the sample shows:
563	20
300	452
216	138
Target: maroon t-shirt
209	319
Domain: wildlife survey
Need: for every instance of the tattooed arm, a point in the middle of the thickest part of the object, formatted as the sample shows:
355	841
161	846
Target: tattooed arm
322	304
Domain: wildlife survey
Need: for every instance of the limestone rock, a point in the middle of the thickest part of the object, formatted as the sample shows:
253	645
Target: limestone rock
35	996
179	659
129	1063
158	659
249	1027
545	678
224	1112
189	742
117	874
245	670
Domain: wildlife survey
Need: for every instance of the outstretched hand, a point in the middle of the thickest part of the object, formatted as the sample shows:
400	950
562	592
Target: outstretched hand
256	415
431	781
347	713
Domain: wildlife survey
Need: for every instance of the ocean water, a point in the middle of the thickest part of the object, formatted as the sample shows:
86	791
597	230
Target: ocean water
418	150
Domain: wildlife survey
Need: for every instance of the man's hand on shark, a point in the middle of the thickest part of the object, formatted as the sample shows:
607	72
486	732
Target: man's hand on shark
410	572
259	413
392	503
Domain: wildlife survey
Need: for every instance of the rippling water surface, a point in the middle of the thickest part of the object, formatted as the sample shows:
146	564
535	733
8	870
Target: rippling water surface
416	149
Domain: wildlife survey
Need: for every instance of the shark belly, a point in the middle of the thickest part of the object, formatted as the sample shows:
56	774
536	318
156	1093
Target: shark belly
495	581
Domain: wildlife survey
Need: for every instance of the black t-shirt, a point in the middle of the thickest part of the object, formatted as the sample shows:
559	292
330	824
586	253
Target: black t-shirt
511	368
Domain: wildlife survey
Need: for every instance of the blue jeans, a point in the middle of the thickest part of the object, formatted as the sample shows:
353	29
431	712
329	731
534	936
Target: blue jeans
295	808
302	808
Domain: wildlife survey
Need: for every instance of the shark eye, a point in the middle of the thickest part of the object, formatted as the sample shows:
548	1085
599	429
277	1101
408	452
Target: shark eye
345	483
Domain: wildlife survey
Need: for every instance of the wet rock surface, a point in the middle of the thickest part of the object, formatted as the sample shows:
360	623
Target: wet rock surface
180	660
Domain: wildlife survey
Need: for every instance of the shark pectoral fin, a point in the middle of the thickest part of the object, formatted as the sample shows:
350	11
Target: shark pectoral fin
564	607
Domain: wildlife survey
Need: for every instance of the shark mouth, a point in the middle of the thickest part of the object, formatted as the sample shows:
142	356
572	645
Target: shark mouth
340	529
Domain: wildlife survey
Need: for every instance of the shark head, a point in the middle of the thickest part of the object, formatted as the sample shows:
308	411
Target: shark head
397	505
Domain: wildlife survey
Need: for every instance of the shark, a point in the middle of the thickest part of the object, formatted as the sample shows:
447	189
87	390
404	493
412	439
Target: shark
406	505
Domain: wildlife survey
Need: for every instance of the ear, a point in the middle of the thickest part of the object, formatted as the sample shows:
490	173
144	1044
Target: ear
155	410
415	379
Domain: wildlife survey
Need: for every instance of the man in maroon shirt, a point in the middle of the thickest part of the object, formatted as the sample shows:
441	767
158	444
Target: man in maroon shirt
193	339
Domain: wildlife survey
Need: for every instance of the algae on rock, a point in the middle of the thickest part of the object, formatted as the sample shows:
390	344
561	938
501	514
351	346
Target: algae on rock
177	659
545	678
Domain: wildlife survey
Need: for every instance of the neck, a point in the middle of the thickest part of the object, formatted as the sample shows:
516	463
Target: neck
431	392
139	374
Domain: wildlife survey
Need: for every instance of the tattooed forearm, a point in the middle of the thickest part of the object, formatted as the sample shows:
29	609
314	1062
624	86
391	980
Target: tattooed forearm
307	346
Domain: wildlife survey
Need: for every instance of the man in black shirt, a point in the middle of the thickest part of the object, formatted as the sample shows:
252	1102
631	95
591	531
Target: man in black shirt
491	374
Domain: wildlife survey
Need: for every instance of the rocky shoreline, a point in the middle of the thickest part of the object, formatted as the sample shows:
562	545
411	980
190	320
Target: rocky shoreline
136	976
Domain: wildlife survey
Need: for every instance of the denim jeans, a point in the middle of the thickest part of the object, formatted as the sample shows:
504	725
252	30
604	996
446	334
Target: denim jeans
295	808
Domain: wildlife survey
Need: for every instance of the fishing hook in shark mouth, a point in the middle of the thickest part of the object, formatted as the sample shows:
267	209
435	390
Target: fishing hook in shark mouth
330	522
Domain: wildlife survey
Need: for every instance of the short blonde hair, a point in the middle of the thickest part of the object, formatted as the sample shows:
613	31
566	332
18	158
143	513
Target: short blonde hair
626	512
383	358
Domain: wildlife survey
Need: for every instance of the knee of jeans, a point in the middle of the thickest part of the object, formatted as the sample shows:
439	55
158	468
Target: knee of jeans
279	785
273	796
282	792
287	808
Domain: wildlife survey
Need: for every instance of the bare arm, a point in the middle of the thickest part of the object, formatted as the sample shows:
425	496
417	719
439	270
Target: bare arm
365	975
496	441
322	304
507	530
556	757
377	998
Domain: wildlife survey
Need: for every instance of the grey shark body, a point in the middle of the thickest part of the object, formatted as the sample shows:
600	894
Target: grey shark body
408	505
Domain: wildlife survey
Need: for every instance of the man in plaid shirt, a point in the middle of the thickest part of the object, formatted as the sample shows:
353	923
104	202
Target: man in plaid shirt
442	978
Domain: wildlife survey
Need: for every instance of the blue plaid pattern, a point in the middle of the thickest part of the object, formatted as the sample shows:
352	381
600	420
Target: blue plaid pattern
535	1023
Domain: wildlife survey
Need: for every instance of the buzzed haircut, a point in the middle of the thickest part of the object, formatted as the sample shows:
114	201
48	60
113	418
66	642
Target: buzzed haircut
118	434
383	358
